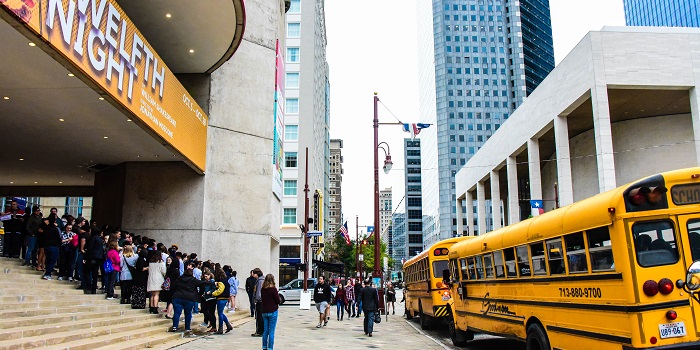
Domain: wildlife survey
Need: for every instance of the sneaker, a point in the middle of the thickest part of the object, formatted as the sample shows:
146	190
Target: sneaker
325	323
70	279
60	278
111	298
47	277
318	325
203	324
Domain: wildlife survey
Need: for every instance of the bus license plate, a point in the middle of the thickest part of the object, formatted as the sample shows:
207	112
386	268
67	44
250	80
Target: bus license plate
672	330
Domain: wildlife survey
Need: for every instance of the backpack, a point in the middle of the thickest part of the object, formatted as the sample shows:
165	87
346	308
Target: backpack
108	266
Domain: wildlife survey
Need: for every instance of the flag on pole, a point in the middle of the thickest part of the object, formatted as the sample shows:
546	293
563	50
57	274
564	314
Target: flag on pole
344	232
414	128
537	207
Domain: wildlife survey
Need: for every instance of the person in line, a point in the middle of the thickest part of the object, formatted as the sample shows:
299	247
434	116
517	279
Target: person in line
184	297
370	304
257	298
209	301
66	257
270	305
222	293
350	299
51	243
340	301
171	275
140	277
94	255
127	259
12	220
33	223
390	299
114	259
233	282
156	278
322	298
250	289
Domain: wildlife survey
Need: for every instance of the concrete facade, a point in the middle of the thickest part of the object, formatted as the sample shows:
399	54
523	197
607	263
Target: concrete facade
604	117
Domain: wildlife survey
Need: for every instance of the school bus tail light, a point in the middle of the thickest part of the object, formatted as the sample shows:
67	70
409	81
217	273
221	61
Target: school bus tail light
653	340
650	288
665	286
671	315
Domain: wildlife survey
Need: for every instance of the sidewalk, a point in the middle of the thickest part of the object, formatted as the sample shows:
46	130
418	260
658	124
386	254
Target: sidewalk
296	329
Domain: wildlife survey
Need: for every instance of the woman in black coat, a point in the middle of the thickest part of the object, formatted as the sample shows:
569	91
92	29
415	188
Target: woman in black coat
172	274
140	278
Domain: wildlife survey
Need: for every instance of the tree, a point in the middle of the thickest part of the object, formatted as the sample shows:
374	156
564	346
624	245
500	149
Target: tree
338	250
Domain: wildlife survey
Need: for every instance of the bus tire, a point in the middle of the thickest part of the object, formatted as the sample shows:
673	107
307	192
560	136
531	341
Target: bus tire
536	338
424	323
459	338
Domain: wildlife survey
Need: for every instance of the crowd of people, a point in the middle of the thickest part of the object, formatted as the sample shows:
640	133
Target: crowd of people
143	269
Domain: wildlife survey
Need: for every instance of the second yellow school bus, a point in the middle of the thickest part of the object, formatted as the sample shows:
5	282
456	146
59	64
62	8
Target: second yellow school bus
426	296
608	272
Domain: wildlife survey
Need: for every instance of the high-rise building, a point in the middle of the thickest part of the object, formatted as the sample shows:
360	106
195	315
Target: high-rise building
385	212
414	197
662	13
399	249
306	122
335	209
478	60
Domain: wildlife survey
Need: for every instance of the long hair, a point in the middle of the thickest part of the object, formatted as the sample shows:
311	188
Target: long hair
219	274
269	281
128	251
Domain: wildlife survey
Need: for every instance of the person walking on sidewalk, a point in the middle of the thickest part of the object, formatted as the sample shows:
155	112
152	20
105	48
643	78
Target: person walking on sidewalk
340	301
390	299
322	298
250	289
350	297
370	304
270	304
257	298
358	302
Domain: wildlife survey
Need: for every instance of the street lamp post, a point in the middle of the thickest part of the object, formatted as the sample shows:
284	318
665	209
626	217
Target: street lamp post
387	166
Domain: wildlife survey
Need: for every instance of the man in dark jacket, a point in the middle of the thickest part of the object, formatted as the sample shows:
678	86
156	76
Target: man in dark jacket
358	302
257	299
94	255
322	298
12	223
370	305
250	289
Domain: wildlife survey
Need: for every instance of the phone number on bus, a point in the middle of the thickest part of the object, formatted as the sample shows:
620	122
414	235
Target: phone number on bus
580	292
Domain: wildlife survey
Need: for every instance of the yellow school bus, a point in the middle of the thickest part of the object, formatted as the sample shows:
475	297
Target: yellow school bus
609	272
426	296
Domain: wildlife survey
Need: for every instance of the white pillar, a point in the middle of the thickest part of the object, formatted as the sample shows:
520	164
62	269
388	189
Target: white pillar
460	208
469	203
695	114
605	157
564	180
533	159
496	199
513	199
481	207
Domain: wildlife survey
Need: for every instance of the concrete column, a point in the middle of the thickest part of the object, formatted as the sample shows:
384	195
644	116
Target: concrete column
481	207
605	157
533	159
496	199
564	180
469	204
513	199
695	114
460	208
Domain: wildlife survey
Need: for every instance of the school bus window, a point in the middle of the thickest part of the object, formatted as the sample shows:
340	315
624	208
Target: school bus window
438	267
523	261
479	267
537	251
472	268
511	269
488	265
655	243
600	249
576	253
498	264
694	238
555	257
454	271
463	267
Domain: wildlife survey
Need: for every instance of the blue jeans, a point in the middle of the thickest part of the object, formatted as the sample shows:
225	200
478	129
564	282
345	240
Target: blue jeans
51	258
178	306
369	322
340	306
268	336
220	306
30	254
79	266
359	307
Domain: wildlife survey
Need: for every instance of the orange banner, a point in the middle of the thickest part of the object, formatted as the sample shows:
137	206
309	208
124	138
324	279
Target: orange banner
100	40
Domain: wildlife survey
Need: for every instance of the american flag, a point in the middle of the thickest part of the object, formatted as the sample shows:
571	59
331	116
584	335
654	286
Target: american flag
344	232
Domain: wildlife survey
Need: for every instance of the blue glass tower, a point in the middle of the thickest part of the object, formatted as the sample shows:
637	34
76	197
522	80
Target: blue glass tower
662	13
478	61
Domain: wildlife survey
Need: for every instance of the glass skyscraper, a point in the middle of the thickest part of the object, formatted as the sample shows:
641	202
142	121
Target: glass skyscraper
662	13
478	60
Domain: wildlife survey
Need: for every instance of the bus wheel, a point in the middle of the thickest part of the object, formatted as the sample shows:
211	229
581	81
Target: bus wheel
536	338
424	324
459	338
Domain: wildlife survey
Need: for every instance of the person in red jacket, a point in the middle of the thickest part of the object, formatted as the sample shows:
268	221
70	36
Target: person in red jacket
113	257
340	301
270	304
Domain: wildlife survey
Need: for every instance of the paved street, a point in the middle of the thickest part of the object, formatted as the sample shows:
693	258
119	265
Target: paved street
296	329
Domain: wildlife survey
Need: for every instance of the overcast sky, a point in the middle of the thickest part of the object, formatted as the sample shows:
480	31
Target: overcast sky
372	46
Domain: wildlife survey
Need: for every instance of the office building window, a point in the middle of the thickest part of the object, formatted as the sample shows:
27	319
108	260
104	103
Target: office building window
292	81
291	106
291	132
292	55
290	215
290	159
290	187
293	30
295	6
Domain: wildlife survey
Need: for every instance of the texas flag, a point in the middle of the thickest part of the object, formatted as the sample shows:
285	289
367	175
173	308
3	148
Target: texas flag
537	207
414	128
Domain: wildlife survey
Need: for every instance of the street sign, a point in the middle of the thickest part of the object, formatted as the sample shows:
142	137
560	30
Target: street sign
370	229
362	257
315	233
315	245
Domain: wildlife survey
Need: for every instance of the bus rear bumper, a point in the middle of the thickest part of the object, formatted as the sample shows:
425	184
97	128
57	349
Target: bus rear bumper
683	346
